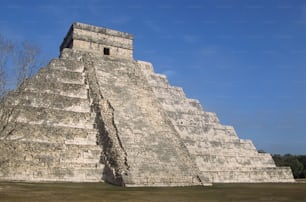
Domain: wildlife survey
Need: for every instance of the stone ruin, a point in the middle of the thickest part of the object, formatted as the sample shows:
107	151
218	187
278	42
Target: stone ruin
95	114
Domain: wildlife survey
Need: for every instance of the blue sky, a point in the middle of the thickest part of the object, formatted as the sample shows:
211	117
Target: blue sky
243	59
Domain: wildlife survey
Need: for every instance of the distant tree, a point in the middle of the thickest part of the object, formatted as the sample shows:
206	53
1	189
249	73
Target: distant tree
302	159
261	151
6	50
296	166
278	159
25	61
296	163
17	63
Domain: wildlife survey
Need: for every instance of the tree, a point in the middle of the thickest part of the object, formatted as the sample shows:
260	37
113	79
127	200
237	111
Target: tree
278	159
25	61
17	63
302	159
261	151
296	167
6	49
296	163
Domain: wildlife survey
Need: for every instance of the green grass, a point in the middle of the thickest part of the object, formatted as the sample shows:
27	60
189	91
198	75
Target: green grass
103	192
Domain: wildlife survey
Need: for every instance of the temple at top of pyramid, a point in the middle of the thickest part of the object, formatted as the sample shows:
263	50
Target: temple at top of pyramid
97	39
97	115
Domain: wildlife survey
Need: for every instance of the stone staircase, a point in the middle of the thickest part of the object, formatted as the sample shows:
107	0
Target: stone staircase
154	153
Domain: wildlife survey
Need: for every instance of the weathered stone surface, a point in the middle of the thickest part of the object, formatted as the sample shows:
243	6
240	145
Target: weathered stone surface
97	39
215	148
92	115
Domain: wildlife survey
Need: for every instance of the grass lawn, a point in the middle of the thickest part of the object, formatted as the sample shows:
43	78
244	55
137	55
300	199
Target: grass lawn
46	192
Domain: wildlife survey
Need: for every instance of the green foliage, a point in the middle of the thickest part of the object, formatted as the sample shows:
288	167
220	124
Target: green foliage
297	163
261	151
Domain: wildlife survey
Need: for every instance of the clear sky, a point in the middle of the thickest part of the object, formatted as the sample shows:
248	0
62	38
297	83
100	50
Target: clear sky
243	59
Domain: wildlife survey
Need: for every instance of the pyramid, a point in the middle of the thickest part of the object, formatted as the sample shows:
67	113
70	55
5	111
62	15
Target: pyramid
95	114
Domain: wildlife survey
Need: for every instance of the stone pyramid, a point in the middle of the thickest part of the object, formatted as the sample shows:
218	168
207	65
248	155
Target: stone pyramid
96	114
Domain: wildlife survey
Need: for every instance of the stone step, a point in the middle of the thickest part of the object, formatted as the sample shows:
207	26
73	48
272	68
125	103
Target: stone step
255	175
51	155
60	76
146	68
211	118
43	133
158	80
88	126
51	101
71	175
186	119
225	144
90	140
35	115
67	65
179	109
60	174
160	181
219	132
218	147
177	103
170	91
111	78
81	154
48	133
65	89
180	106
192	119
206	132
116	68
195	104
197	133
211	161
